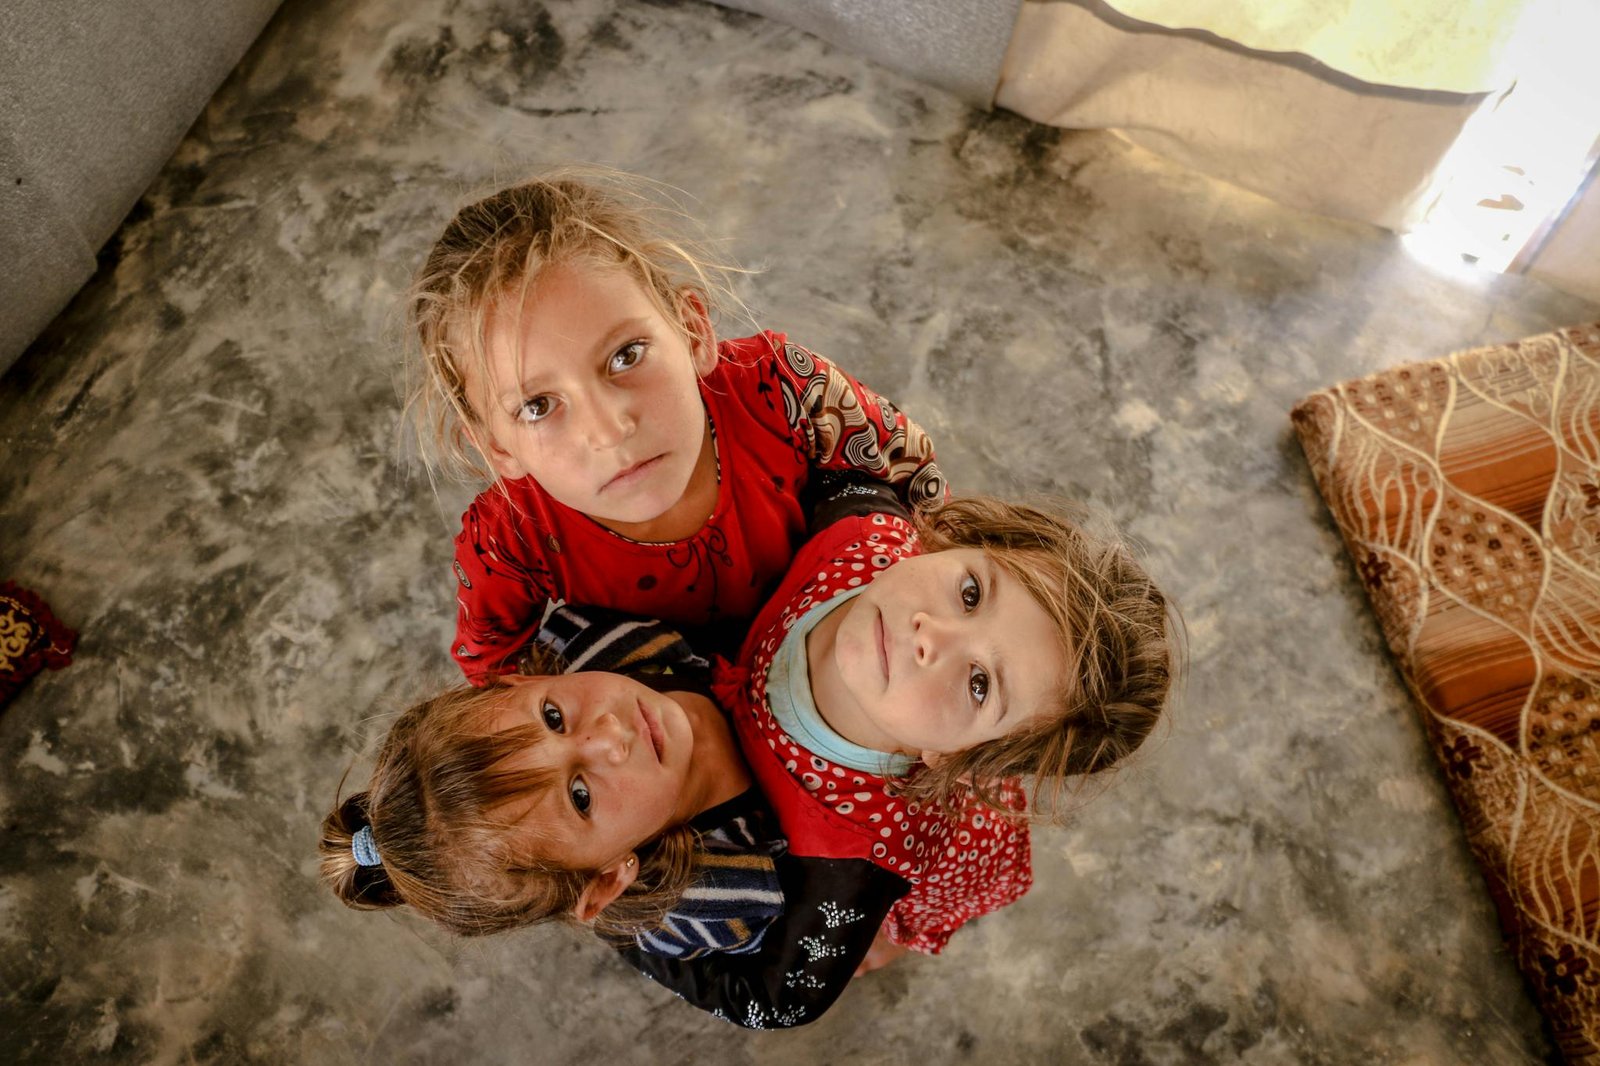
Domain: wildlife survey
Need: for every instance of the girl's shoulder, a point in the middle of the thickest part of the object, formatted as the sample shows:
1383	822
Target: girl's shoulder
751	392
767	358
507	532
745	822
521	501
748	353
504	526
521	515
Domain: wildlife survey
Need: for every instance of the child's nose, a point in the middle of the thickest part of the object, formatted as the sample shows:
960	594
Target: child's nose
928	636
610	422
606	740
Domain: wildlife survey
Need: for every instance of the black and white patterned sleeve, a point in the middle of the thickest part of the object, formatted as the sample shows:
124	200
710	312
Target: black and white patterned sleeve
833	908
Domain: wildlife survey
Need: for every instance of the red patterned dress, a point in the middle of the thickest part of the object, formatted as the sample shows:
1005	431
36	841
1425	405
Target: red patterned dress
777	413
959	868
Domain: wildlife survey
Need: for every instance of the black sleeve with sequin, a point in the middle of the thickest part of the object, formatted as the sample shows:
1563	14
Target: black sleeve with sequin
832	911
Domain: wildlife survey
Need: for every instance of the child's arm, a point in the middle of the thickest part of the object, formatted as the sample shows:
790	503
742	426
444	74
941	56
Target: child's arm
503	583
832	911
844	425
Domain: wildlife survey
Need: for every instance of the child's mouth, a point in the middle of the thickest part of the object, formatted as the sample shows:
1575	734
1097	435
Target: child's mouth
652	729
633	474
883	645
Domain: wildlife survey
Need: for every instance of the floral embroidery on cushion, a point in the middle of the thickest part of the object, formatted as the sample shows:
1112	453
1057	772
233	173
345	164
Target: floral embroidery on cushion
1564	969
1460	755
1374	569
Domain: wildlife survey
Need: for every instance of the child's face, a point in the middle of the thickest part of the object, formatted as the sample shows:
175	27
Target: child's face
621	758
941	652
594	393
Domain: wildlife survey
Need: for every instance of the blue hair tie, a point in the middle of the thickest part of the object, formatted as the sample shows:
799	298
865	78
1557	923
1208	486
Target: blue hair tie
362	847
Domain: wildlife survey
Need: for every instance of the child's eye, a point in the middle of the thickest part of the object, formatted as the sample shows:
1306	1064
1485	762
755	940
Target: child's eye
554	720
626	358
580	795
535	410
978	684
971	592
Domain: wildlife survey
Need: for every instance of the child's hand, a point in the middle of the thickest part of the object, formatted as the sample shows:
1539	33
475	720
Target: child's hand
882	952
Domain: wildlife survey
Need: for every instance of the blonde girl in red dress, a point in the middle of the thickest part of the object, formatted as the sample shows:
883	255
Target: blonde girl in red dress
633	460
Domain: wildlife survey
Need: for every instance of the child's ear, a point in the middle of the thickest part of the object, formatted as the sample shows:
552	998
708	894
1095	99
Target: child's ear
934	759
697	322
504	463
604	888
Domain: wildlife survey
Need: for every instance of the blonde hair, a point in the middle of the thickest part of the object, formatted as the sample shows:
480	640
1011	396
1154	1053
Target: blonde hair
1120	637
431	805
496	247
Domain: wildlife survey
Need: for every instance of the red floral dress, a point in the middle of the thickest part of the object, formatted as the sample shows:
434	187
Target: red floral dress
778	412
959	868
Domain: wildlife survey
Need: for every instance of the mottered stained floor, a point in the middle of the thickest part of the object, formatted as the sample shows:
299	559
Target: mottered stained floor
205	473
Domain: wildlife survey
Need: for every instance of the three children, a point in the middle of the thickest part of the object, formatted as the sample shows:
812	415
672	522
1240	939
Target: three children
908	670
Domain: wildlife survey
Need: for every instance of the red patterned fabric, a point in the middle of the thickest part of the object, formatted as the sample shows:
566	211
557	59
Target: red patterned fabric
1468	493
778	412
959	868
31	639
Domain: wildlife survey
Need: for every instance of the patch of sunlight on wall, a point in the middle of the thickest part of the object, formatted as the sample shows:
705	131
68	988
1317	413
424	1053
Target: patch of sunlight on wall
1525	154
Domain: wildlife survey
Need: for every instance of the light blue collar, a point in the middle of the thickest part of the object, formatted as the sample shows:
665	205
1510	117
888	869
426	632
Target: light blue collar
789	695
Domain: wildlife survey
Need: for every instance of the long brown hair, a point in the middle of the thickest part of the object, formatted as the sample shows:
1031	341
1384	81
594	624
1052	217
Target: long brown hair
496	247
432	806
1121	639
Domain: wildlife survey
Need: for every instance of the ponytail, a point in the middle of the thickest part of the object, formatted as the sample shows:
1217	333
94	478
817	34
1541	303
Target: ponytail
356	885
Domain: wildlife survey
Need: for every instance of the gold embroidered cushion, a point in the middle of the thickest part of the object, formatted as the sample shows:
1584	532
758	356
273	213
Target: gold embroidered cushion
1468	493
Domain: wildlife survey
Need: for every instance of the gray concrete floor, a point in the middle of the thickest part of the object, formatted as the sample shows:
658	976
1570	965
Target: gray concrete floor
206	473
